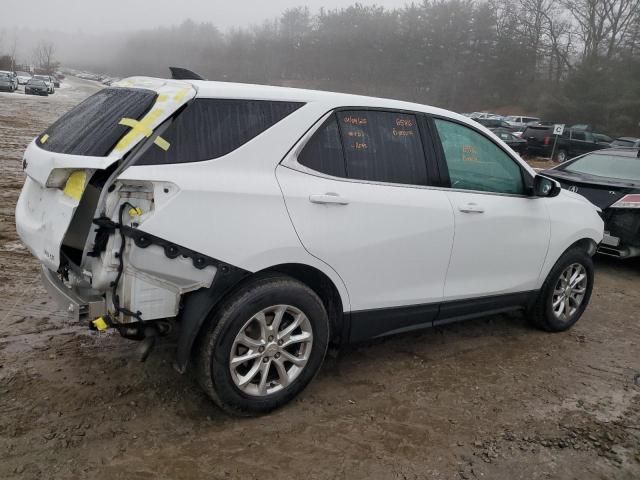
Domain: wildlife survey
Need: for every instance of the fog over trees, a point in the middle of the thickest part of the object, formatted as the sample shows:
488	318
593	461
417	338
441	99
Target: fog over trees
569	60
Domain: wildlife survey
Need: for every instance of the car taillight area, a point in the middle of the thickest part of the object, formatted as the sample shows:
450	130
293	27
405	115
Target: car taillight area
628	201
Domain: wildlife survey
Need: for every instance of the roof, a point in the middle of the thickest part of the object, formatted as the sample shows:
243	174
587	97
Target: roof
213	89
629	139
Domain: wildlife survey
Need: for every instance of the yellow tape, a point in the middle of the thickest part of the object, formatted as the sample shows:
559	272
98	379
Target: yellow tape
75	184
135	212
136	126
143	127
100	324
162	143
181	94
44	138
162	97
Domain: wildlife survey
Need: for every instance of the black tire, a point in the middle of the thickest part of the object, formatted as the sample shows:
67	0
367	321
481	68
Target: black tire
542	314
217	339
562	156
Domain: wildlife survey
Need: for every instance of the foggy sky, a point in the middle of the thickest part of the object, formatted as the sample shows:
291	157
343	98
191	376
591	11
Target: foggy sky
101	16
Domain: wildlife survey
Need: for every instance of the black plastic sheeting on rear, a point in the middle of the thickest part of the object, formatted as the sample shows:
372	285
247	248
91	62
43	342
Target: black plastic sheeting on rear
211	128
91	128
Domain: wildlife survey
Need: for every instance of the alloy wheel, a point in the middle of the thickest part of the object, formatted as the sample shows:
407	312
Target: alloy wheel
569	291
271	350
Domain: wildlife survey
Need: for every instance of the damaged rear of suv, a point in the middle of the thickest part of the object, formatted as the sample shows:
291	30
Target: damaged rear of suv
133	199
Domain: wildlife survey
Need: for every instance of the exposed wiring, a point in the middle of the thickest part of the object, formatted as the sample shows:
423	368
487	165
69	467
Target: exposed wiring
114	284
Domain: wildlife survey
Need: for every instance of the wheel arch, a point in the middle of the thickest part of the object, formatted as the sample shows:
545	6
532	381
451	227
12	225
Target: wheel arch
325	288
198	306
589	245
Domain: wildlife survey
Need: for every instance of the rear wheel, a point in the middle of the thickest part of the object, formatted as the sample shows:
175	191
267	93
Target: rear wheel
263	346
561	156
565	293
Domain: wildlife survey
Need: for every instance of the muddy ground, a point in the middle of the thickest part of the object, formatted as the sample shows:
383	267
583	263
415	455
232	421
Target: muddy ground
487	399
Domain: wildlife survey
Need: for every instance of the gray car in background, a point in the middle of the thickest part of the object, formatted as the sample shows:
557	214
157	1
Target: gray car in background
6	82
35	86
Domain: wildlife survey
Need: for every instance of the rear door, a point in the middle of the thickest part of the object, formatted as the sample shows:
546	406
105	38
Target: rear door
357	190
501	234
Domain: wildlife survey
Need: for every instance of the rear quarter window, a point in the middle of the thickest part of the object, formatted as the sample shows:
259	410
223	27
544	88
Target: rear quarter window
91	128
211	128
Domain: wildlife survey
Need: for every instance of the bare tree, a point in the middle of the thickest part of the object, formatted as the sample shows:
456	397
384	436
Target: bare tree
622	14
602	24
44	56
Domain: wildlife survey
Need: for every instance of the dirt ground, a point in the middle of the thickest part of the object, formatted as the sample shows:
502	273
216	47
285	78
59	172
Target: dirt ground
484	399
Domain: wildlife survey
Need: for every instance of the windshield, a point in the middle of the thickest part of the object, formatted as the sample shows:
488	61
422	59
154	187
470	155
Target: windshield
610	166
92	128
35	82
623	143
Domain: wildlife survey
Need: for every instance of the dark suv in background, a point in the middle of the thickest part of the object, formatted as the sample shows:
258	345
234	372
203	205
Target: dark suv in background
571	143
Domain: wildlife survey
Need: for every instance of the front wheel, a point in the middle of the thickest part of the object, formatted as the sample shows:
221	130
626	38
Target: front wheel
565	293
263	346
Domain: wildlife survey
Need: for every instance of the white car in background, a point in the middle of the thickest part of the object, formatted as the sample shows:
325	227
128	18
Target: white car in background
266	222
23	77
48	80
485	116
519	122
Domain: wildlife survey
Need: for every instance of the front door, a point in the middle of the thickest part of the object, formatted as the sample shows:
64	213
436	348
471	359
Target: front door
501	234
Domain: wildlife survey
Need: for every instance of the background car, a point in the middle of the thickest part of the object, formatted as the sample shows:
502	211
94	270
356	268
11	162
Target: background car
12	78
516	143
632	142
6	82
610	179
477	115
36	86
48	81
23	77
603	139
540	141
56	82
491	123
520	122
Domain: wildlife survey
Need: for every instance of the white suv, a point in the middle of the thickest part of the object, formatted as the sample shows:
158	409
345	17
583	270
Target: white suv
520	122
266	223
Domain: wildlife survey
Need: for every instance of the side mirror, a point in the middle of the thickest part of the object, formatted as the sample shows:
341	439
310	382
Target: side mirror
545	187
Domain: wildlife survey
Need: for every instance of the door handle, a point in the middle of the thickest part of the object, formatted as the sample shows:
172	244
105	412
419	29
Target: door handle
471	207
326	198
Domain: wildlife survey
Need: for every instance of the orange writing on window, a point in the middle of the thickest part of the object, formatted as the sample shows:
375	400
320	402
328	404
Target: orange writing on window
469	153
353	120
404	122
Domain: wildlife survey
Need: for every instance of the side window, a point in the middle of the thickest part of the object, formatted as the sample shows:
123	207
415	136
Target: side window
383	147
578	136
323	152
210	128
476	163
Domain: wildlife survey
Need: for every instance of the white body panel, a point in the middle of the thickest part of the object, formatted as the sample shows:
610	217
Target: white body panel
572	218
500	245
390	244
